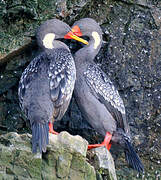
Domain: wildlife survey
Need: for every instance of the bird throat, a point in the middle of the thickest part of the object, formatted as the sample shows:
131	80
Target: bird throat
48	40
96	38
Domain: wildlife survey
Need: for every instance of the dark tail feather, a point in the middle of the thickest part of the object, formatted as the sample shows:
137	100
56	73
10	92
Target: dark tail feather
40	136
132	158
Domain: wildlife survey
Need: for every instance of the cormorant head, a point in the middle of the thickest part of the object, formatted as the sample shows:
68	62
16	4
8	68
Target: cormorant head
51	30
88	27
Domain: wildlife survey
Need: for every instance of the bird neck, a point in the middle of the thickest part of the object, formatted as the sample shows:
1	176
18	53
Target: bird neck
86	54
58	45
55	45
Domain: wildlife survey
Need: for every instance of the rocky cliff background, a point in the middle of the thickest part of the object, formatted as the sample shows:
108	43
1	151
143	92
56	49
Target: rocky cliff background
130	55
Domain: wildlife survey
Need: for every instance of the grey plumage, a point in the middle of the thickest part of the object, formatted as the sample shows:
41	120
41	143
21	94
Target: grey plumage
46	85
96	96
62	78
107	94
102	85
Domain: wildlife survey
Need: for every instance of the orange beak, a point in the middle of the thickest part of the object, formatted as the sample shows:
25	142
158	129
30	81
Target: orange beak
74	35
76	30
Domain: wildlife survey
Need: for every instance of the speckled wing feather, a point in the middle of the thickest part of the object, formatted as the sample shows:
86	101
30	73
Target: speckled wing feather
62	74
102	87
27	76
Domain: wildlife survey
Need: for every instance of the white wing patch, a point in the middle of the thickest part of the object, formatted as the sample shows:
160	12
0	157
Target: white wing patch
48	40
97	39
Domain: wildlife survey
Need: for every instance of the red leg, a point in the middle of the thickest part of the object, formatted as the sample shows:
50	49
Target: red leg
109	146
105	143
51	130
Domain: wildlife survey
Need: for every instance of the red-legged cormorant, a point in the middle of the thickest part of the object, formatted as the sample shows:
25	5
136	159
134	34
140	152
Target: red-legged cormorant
96	96
47	84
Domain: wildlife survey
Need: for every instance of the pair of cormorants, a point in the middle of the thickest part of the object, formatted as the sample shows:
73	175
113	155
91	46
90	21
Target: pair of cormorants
47	84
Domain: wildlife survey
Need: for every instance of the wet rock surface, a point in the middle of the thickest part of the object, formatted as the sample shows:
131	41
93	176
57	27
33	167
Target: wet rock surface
131	56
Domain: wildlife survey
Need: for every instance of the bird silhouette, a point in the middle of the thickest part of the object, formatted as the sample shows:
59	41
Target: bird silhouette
96	96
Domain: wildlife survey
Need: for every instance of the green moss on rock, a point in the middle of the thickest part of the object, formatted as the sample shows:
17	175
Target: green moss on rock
17	160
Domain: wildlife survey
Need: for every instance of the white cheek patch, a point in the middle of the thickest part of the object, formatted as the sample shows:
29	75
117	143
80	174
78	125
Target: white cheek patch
48	40
97	39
